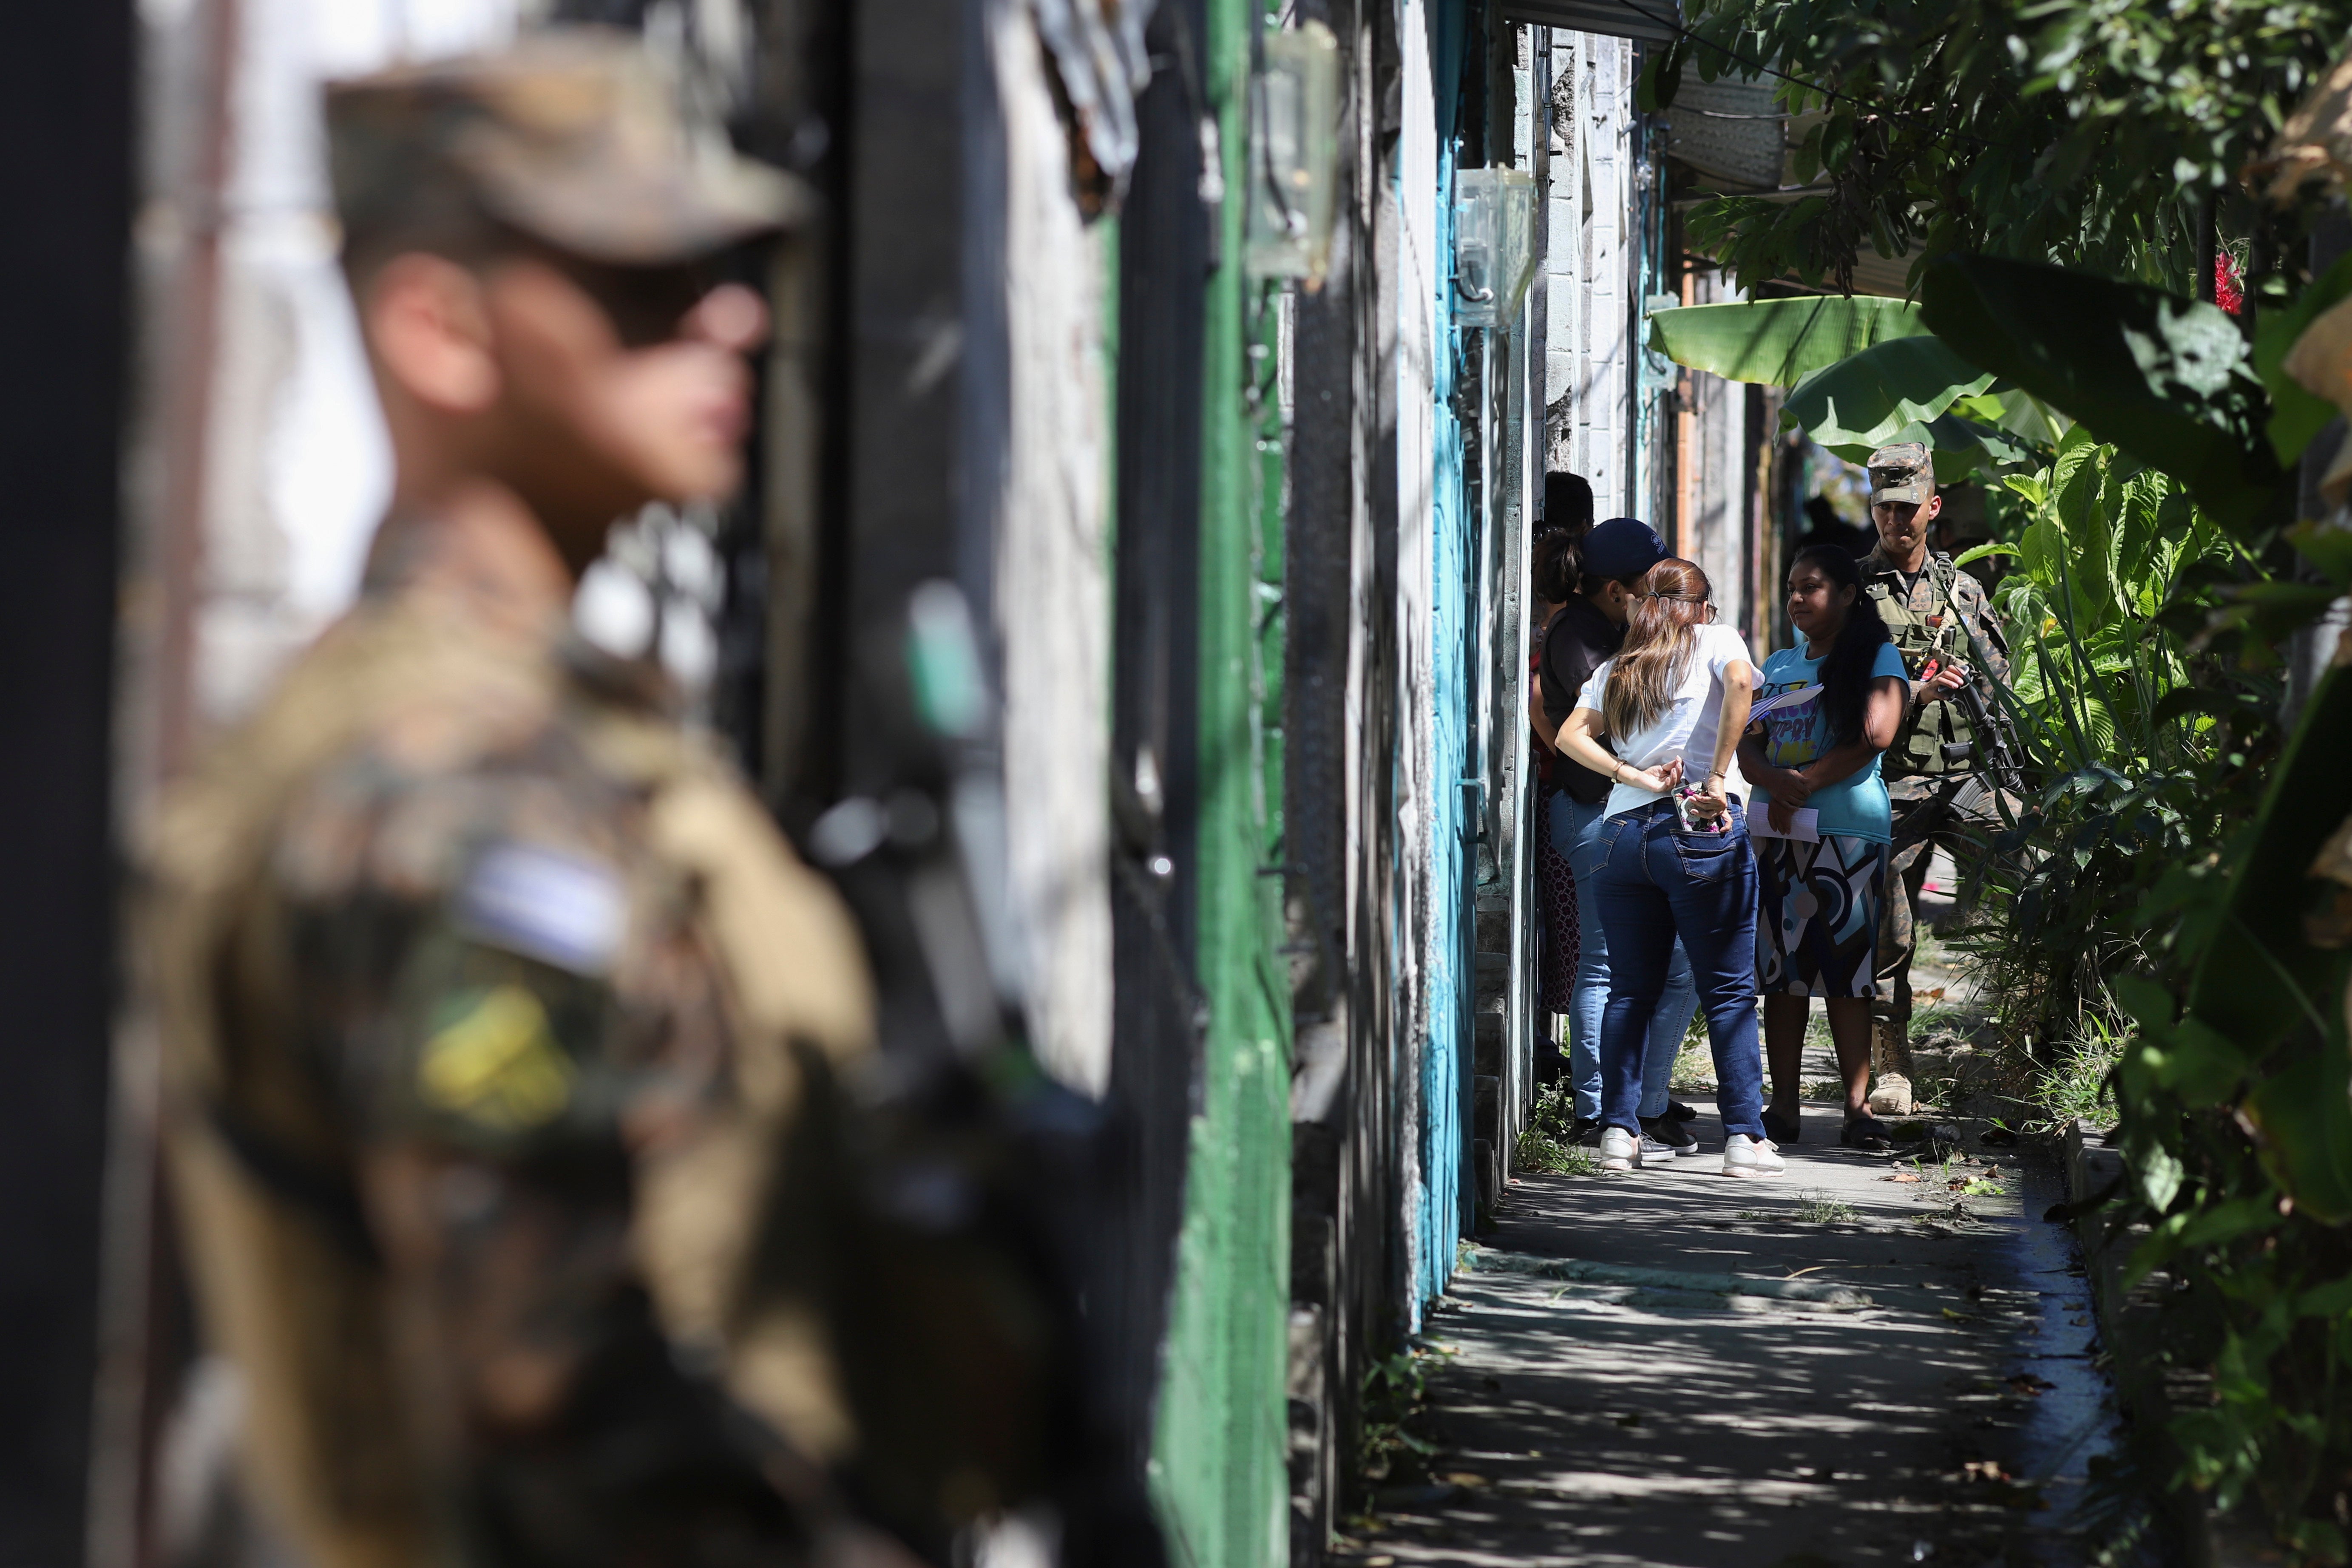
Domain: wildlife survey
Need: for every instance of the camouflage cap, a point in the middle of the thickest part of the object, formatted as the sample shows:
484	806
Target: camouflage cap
1902	473
573	135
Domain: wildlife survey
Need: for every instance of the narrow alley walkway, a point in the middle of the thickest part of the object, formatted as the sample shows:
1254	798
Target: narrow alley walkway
1876	1358
1837	1367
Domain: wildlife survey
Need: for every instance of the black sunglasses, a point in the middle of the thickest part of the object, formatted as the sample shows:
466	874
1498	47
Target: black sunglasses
645	304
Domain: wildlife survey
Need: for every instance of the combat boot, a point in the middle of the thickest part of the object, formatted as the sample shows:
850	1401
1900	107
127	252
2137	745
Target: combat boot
1890	1066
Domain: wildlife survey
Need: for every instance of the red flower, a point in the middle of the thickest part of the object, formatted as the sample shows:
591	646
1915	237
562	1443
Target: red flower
2226	290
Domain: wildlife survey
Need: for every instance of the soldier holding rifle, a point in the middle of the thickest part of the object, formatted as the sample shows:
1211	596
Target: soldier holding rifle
1952	735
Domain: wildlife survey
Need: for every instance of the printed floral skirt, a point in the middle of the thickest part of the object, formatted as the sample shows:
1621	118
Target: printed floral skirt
1558	885
1817	929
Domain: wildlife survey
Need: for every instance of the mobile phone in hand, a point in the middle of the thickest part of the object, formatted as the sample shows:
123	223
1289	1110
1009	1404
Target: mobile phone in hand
1690	822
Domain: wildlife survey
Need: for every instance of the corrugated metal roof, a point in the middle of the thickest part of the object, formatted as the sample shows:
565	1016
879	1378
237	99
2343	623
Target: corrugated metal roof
1730	130
1890	275
1655	20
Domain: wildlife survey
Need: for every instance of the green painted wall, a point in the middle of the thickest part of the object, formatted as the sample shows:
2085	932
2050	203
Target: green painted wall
1219	1463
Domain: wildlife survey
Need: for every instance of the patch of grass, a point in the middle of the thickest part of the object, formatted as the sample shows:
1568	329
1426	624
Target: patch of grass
2077	1085
1932	1094
1820	1208
1574	1159
1694	1062
1927	1022
1396	1393
1546	1144
1823	1088
1754	1214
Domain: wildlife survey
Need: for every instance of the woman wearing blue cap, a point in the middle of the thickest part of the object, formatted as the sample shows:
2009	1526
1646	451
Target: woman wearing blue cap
1674	861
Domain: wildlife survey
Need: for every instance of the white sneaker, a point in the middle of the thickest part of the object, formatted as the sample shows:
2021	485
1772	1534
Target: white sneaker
1620	1150
1748	1157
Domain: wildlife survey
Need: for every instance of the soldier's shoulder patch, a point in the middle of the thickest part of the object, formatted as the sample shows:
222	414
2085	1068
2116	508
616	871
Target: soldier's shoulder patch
557	906
493	1059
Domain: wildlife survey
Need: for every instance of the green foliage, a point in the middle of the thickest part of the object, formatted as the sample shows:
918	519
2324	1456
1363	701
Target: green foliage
1820	1208
2091	132
2123	771
2131	867
1780	341
2075	1088
1395	1398
1694	1059
2167	379
2259	980
1548	1143
2297	414
1884	394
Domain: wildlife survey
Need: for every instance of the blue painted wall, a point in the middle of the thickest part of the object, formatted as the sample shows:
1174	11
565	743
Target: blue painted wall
1446	1054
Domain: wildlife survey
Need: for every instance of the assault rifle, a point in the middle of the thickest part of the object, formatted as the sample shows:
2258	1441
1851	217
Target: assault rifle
1996	744
990	1197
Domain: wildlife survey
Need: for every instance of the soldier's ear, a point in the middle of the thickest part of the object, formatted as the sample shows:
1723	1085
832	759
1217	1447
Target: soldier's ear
1935	506
430	335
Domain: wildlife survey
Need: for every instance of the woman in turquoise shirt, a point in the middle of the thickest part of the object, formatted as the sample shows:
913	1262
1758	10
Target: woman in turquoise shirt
1821	847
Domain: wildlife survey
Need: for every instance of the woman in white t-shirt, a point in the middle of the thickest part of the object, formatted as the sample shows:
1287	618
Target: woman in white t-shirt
1675	860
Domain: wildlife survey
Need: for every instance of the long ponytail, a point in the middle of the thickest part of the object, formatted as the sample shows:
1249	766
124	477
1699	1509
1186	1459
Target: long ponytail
1557	566
1846	672
1670	604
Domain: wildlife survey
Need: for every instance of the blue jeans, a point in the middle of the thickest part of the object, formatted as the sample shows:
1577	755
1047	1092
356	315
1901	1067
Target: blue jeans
1578	826
1655	883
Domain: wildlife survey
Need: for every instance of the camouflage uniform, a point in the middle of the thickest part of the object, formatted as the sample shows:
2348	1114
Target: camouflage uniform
493	1006
501	1030
1933	793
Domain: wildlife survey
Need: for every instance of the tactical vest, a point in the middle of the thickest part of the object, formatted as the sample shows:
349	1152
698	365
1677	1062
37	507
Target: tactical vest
1936	737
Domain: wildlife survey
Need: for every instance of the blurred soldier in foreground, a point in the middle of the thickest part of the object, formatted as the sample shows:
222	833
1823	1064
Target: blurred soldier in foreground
1936	772
502	1027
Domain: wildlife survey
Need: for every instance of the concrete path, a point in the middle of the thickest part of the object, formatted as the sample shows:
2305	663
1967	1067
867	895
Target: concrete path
1833	1367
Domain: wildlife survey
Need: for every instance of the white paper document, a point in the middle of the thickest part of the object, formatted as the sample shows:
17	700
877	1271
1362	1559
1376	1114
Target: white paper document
1804	823
1796	699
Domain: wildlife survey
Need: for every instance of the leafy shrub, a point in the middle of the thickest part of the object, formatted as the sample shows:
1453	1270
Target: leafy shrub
1548	1143
2148	707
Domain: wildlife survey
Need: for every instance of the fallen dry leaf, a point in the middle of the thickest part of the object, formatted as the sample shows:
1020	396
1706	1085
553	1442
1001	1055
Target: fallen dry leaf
1903	1176
1463	1478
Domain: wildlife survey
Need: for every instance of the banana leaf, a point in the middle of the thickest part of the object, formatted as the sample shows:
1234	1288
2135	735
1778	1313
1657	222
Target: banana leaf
1883	392
1960	448
2260	978
2306	1120
2167	380
1780	341
2297	415
2029	418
